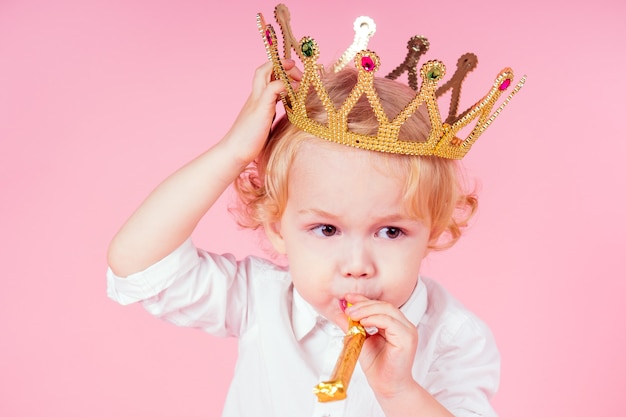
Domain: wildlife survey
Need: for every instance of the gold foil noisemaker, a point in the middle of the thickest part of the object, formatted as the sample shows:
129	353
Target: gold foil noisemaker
337	386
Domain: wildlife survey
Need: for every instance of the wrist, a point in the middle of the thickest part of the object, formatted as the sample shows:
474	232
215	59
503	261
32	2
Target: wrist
411	396
392	393
231	150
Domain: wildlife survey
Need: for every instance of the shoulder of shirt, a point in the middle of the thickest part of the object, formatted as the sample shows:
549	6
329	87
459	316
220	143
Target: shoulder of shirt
447	316
257	268
267	265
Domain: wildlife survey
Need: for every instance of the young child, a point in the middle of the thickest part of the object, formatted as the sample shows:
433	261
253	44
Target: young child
354	225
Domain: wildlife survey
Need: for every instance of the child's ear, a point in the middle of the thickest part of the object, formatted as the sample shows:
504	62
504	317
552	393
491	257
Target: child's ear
272	231
432	243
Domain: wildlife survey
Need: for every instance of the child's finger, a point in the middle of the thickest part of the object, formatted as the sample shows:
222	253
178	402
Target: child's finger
389	325
356	298
291	68
273	90
262	76
399	334
374	313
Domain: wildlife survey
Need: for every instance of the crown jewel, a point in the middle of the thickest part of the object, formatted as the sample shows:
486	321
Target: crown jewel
442	141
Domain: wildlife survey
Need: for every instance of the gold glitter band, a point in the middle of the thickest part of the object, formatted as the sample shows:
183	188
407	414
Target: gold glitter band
442	141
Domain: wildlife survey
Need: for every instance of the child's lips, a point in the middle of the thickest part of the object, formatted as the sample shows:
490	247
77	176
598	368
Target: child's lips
343	304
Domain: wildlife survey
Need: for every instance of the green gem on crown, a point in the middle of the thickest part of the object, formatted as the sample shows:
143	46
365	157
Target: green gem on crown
307	48
434	74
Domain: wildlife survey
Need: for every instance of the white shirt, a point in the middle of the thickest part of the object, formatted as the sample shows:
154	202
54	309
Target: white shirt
286	347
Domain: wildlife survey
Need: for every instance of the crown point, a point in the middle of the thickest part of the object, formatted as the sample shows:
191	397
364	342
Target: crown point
505	84
364	26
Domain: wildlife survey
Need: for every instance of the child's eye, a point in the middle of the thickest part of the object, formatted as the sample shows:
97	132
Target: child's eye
324	230
390	232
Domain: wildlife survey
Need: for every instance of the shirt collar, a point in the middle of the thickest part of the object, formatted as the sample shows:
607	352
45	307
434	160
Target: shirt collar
304	317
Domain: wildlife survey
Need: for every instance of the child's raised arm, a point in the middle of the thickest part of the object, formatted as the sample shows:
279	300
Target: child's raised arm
171	212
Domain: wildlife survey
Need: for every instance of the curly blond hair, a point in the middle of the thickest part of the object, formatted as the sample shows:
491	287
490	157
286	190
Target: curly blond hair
433	188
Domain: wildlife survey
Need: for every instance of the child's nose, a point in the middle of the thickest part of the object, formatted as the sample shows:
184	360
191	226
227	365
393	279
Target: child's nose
357	262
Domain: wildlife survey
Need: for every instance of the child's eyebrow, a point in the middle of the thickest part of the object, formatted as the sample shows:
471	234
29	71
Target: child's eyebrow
317	212
386	218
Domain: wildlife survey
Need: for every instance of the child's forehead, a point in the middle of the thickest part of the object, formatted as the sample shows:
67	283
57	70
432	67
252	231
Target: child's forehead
331	155
338	165
332	171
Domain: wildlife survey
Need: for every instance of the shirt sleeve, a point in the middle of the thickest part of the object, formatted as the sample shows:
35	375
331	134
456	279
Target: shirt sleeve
466	373
191	288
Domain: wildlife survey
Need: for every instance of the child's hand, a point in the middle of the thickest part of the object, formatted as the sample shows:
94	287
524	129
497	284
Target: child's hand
172	211
251	128
387	356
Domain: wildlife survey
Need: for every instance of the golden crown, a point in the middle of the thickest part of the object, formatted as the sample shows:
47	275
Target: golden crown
442	141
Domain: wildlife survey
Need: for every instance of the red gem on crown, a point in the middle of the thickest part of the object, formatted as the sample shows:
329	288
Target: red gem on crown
505	84
367	63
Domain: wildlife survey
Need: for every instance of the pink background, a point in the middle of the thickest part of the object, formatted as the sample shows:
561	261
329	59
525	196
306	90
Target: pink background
100	100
